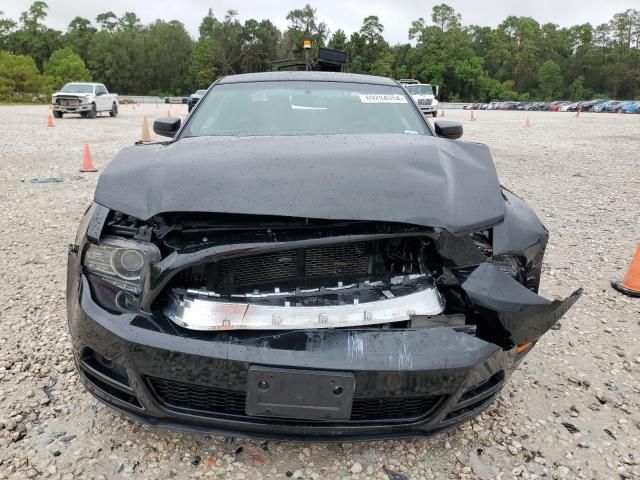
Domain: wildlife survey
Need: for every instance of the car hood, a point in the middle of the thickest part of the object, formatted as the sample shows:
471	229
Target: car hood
415	179
72	94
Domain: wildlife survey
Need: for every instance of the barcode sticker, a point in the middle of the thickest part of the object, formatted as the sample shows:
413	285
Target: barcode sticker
382	98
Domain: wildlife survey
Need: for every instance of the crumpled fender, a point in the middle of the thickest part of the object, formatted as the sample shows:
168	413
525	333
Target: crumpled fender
510	309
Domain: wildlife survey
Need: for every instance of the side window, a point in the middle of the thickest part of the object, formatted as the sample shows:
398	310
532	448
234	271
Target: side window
101	89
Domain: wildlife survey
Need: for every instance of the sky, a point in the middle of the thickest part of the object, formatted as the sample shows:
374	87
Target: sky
395	15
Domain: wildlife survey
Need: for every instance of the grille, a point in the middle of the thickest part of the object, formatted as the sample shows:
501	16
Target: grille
424	101
477	397
342	260
68	101
209	400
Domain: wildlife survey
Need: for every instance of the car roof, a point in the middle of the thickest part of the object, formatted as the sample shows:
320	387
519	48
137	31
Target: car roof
307	76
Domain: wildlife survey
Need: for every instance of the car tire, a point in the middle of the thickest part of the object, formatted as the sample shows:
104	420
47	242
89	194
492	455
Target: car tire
84	114
114	110
93	113
434	114
57	114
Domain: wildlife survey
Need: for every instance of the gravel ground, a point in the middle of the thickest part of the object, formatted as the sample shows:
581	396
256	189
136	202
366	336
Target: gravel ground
582	176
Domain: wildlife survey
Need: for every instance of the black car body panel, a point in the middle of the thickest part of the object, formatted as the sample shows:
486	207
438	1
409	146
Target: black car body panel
277	223
433	182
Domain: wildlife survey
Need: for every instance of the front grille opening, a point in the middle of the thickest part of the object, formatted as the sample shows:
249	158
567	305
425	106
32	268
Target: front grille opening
200	399
111	390
108	376
308	268
474	407
106	367
489	384
478	396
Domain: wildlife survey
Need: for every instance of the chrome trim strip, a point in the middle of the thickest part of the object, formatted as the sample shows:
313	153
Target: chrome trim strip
212	314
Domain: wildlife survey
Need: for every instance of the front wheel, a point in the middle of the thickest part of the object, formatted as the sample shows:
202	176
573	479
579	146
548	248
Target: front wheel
93	113
57	114
114	110
435	114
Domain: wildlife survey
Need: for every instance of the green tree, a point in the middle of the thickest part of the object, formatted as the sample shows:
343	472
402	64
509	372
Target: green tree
64	66
107	21
79	34
34	38
303	25
338	40
18	74
445	17
550	80
6	27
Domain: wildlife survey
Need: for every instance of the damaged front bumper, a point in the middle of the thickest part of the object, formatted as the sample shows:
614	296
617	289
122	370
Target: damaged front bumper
399	381
406	382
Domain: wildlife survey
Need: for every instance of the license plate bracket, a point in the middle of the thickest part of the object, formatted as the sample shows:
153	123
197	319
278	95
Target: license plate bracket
299	394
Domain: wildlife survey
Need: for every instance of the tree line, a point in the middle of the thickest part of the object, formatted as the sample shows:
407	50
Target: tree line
519	59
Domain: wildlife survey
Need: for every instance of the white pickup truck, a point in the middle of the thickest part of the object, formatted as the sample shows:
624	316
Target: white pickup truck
87	99
424	94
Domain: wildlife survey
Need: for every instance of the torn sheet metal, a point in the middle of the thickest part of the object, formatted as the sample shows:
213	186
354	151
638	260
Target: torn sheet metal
414	179
522	314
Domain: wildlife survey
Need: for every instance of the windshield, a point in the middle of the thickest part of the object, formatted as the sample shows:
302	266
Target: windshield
304	108
77	88
420	89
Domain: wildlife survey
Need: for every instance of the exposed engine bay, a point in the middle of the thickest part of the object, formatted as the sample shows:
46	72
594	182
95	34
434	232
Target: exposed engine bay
246	272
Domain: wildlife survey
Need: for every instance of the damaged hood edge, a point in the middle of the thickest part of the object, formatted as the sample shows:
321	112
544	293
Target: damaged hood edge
413	179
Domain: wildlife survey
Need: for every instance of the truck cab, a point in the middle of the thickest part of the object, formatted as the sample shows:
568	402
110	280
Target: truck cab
424	94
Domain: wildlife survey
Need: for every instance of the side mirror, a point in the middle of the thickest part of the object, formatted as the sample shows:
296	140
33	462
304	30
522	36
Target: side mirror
436	90
446	129
98	93
167	127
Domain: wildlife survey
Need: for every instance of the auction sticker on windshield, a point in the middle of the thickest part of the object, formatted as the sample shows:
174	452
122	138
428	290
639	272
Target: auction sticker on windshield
373	98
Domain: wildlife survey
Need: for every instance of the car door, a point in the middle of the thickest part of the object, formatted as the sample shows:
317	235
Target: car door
102	99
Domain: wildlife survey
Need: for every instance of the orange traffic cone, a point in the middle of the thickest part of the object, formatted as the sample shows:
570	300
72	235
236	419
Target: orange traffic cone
87	163
527	123
50	121
630	284
146	136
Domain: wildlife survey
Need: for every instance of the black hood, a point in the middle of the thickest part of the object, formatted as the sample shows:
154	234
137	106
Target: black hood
413	179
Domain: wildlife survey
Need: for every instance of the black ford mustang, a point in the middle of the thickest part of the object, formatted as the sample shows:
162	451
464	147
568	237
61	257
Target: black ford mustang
305	258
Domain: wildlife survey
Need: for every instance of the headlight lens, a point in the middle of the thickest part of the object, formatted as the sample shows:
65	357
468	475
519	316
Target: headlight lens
122	263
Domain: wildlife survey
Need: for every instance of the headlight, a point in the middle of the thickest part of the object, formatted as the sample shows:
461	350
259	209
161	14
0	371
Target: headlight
121	263
435	102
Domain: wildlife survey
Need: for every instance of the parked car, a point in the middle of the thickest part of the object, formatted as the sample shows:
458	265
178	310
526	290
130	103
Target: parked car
321	263
86	99
600	107
631	107
588	105
572	107
194	98
555	106
176	100
614	106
